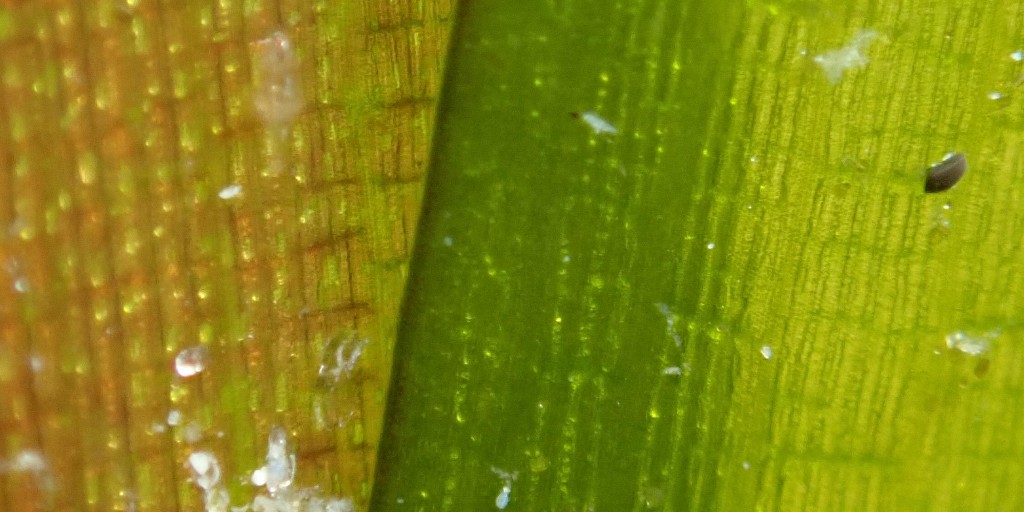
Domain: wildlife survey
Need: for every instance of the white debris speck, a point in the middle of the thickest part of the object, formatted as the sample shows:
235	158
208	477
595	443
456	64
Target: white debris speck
1017	56
746	465
835	62
278	94
767	352
230	191
995	95
711	245
21	285
672	370
670	323
174	417
566	259
506	488
190	361
26	461
158	428
971	345
340	358
259	477
192	432
448	241
598	123
32	462
205	469
36	363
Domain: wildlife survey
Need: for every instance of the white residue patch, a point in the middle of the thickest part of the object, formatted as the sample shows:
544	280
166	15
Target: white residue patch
598	123
206	474
278	93
852	56
277	475
670	323
448	241
1017	56
506	488
995	95
190	361
340	358
279	470
205	469
767	352
230	191
32	462
672	370
711	245
173	417
970	344
192	433
25	461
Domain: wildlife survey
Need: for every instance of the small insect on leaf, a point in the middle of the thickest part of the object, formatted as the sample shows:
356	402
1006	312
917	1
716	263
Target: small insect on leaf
943	175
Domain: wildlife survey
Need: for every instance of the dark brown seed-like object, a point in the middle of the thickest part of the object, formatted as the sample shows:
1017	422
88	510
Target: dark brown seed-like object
946	173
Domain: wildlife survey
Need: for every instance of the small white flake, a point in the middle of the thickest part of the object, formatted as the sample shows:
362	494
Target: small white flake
158	428
36	363
174	417
1017	56
767	352
598	123
190	361
337	363
505	495
448	241
746	465
566	259
230	191
711	245
835	62
971	345
21	285
672	370
995	95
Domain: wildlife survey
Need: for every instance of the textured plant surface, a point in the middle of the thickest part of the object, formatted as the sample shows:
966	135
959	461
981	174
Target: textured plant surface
675	255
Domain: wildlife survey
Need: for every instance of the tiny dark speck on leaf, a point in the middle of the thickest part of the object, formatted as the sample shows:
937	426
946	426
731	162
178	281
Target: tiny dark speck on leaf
981	368
943	175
